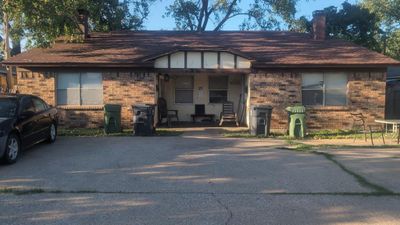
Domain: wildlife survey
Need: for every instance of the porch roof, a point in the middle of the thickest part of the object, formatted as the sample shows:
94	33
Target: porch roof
267	49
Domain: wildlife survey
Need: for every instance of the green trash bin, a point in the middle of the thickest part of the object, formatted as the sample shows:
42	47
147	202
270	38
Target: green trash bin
297	121
112	118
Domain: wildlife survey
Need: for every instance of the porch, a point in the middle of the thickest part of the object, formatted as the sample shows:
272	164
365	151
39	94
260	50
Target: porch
198	97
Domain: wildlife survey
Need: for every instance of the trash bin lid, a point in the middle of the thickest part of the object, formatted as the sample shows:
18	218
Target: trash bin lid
144	108
141	105
261	107
296	109
112	107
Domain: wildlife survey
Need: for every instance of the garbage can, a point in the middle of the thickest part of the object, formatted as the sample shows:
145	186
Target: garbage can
143	120
297	121
112	118
260	120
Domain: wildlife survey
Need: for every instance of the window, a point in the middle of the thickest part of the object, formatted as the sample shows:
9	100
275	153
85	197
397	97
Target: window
184	89
27	105
8	107
218	89
202	60
79	89
40	106
324	89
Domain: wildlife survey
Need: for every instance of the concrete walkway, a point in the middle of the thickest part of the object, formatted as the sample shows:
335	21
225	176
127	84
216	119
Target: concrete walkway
196	178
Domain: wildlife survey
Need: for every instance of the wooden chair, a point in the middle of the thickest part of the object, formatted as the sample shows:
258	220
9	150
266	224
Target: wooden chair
228	114
164	113
360	126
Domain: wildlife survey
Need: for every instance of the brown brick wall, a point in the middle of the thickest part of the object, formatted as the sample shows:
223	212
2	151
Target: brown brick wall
366	93
128	89
279	90
37	83
125	88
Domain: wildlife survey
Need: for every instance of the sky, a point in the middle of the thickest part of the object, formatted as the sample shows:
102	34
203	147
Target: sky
156	21
304	7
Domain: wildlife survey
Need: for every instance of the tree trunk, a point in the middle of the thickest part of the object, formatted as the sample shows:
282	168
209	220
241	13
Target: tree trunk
7	50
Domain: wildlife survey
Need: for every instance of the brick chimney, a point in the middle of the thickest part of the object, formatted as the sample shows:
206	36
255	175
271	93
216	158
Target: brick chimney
83	19
319	25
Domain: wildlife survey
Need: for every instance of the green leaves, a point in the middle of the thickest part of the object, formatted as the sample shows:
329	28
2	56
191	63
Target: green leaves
352	22
43	21
196	15
388	13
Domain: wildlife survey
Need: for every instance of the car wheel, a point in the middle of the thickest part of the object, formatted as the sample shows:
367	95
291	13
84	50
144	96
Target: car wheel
52	133
13	149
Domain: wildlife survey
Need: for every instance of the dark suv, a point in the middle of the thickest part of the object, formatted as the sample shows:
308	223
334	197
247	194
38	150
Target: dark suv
24	121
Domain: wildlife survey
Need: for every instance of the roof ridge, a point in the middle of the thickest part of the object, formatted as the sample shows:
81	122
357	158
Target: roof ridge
201	32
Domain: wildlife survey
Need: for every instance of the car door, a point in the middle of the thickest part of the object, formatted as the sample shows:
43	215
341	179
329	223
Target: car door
27	121
43	118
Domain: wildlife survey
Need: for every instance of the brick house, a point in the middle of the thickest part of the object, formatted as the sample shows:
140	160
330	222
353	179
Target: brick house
331	77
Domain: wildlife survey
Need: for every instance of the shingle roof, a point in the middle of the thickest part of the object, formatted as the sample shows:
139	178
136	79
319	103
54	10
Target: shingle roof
266	48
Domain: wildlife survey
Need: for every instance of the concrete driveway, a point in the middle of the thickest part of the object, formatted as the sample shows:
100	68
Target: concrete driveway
190	179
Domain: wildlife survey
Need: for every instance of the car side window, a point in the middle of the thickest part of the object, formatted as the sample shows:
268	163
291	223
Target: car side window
40	106
27	105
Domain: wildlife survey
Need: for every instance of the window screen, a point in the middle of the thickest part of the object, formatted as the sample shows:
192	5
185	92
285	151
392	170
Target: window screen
312	88
68	86
91	89
184	89
79	89
218	89
324	88
335	88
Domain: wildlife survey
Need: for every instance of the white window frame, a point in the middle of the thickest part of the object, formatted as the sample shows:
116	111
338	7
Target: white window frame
80	88
324	88
202	60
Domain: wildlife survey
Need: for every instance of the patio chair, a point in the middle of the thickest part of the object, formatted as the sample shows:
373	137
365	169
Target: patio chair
360	126
228	114
376	128
165	113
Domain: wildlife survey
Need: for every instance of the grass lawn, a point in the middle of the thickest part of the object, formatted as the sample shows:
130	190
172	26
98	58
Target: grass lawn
299	146
318	135
97	132
343	134
334	139
244	133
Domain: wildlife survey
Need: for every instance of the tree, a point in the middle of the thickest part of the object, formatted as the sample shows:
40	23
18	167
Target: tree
352	22
195	15
42	21
388	12
392	44
6	40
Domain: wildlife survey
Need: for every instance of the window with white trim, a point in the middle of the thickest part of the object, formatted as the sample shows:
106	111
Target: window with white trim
184	89
79	89
328	89
218	89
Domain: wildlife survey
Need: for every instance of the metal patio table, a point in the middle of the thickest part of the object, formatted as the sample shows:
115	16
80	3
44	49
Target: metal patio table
395	123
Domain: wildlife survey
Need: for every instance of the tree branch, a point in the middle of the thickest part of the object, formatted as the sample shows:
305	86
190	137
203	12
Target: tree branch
227	16
202	13
207	16
189	21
